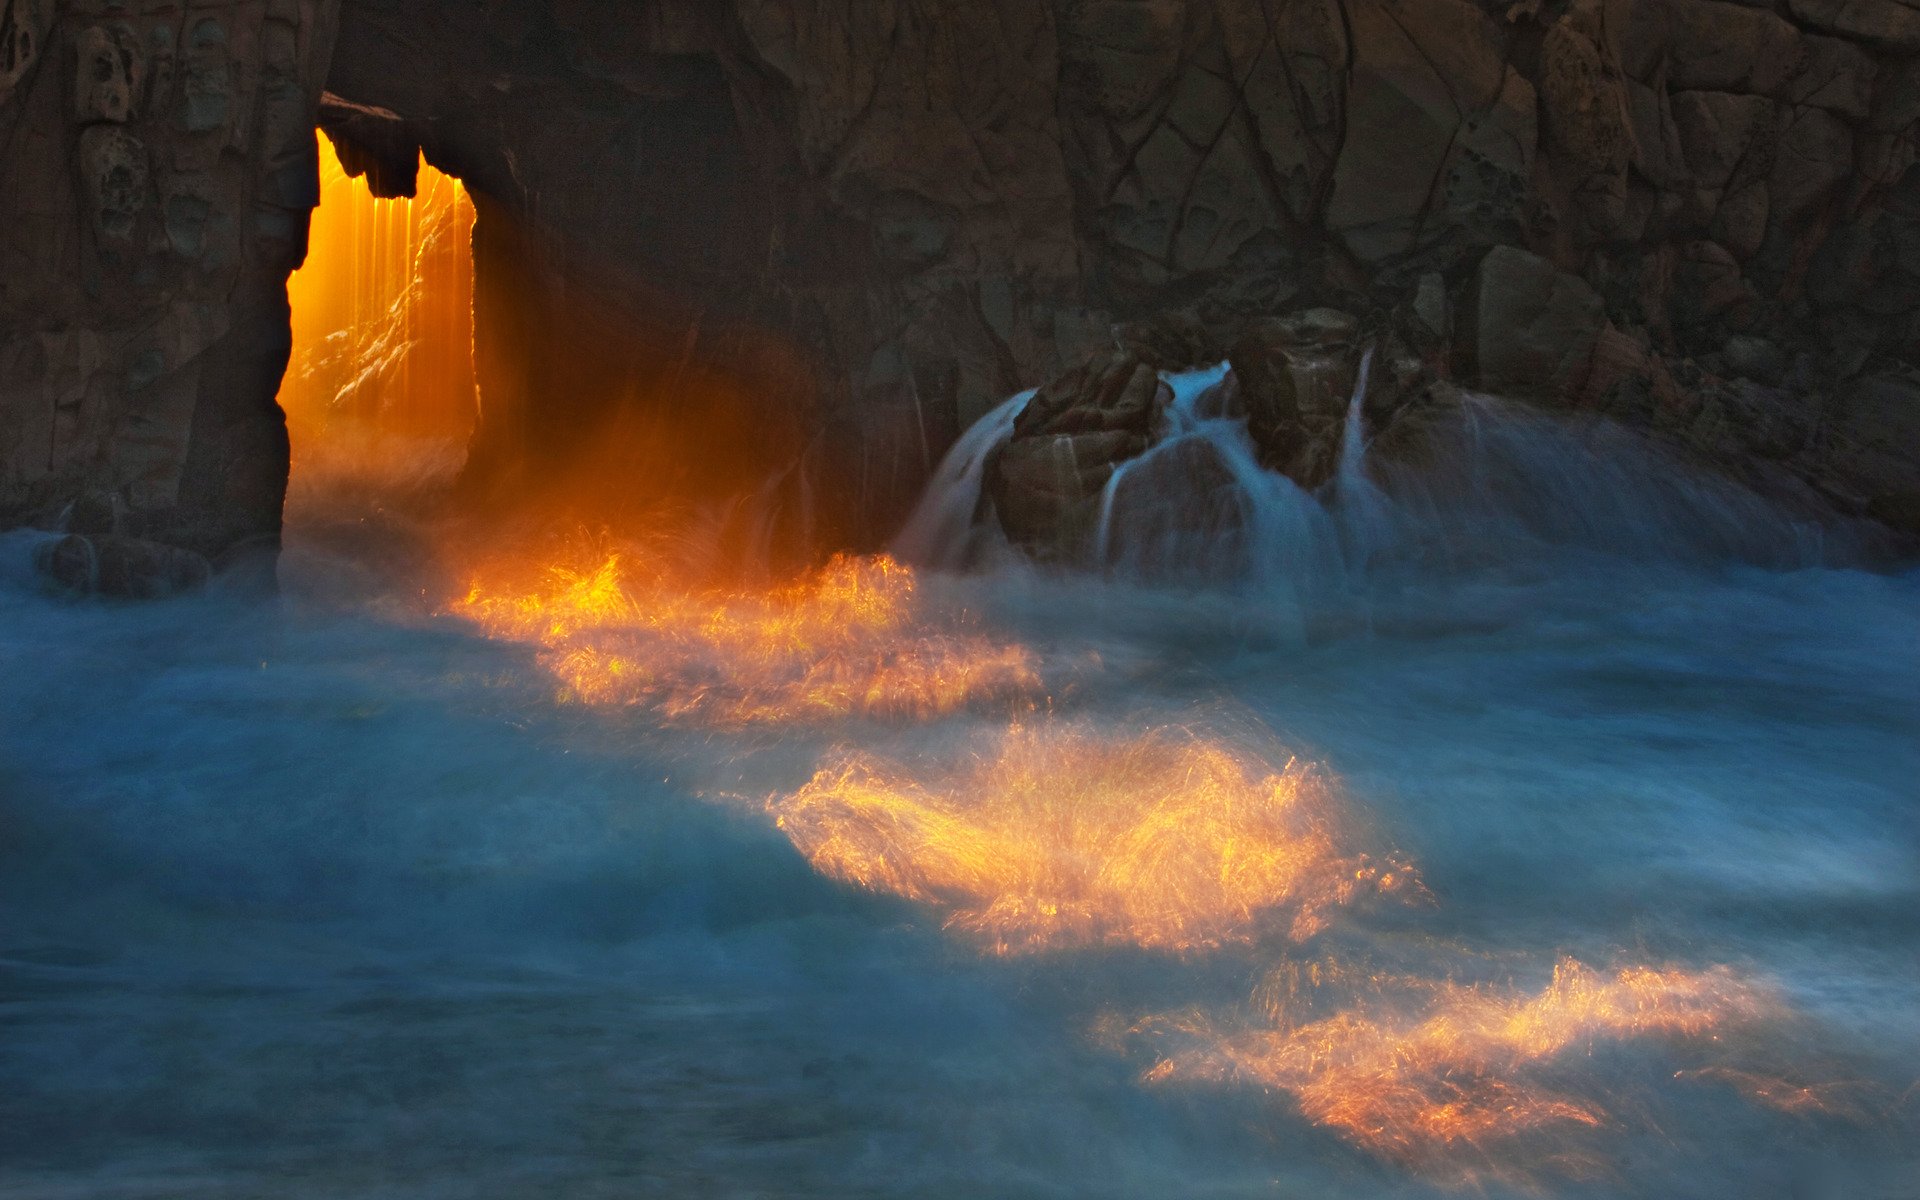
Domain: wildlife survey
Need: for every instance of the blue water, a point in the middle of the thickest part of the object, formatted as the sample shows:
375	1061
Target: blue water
330	897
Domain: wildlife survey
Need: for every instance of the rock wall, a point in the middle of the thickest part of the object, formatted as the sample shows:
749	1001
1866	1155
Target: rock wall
874	218
1698	215
157	168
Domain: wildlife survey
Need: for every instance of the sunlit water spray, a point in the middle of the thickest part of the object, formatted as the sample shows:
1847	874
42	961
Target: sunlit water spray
1577	713
382	324
849	640
1455	1079
1072	834
1061	837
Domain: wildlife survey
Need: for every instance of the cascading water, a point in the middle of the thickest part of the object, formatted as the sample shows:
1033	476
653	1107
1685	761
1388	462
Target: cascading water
1494	484
944	527
1198	505
1526	815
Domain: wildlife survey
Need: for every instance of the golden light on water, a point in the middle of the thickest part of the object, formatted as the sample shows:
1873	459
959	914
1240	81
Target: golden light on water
1446	1076
848	640
1057	835
382	313
1062	837
1054	835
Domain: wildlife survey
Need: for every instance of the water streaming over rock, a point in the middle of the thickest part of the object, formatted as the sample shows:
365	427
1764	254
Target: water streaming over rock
1525	812
944	529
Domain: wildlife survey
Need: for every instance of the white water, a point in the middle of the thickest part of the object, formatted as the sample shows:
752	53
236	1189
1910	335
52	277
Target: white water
329	898
944	529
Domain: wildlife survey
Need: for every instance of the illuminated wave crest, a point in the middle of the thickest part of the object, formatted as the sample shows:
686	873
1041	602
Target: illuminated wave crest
1063	838
845	641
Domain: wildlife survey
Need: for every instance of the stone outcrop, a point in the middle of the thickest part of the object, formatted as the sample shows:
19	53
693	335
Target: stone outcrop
1867	446
121	567
861	224
1526	329
1045	483
1294	377
157	167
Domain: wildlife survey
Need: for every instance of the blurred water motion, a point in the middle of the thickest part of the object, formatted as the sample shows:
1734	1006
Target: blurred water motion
1456	1079
1651	752
1061	836
847	640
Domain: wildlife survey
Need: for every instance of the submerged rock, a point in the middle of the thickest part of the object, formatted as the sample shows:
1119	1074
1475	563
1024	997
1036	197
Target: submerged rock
121	567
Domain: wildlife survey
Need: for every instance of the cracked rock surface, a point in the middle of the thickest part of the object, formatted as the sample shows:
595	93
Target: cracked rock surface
880	217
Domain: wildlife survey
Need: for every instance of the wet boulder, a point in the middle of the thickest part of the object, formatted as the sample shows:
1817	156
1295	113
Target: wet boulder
1178	513
1045	483
121	567
1295	377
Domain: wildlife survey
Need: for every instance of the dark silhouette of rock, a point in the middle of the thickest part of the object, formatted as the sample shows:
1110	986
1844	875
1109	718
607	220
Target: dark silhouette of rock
877	219
121	568
157	168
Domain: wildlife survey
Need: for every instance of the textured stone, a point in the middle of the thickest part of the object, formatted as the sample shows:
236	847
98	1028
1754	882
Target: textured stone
1586	119
1529	329
1892	23
1450	130
1295	376
114	175
142	301
23	37
1716	46
207	89
863	222
1045	483
1871	455
108	73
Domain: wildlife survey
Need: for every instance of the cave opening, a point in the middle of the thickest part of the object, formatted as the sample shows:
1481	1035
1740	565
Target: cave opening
382	371
445	347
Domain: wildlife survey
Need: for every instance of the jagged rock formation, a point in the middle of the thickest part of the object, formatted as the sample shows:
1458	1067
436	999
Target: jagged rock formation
863	223
157	167
1067	443
1293	376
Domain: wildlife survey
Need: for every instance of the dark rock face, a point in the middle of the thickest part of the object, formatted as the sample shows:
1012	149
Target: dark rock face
157	167
861	224
1870	442
122	568
1526	329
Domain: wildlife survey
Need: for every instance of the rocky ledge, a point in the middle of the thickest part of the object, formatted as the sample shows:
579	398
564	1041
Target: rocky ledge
875	219
1520	330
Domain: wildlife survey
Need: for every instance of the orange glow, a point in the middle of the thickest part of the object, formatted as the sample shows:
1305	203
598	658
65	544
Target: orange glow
1847	1100
1063	838
846	640
1429	1071
382	314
